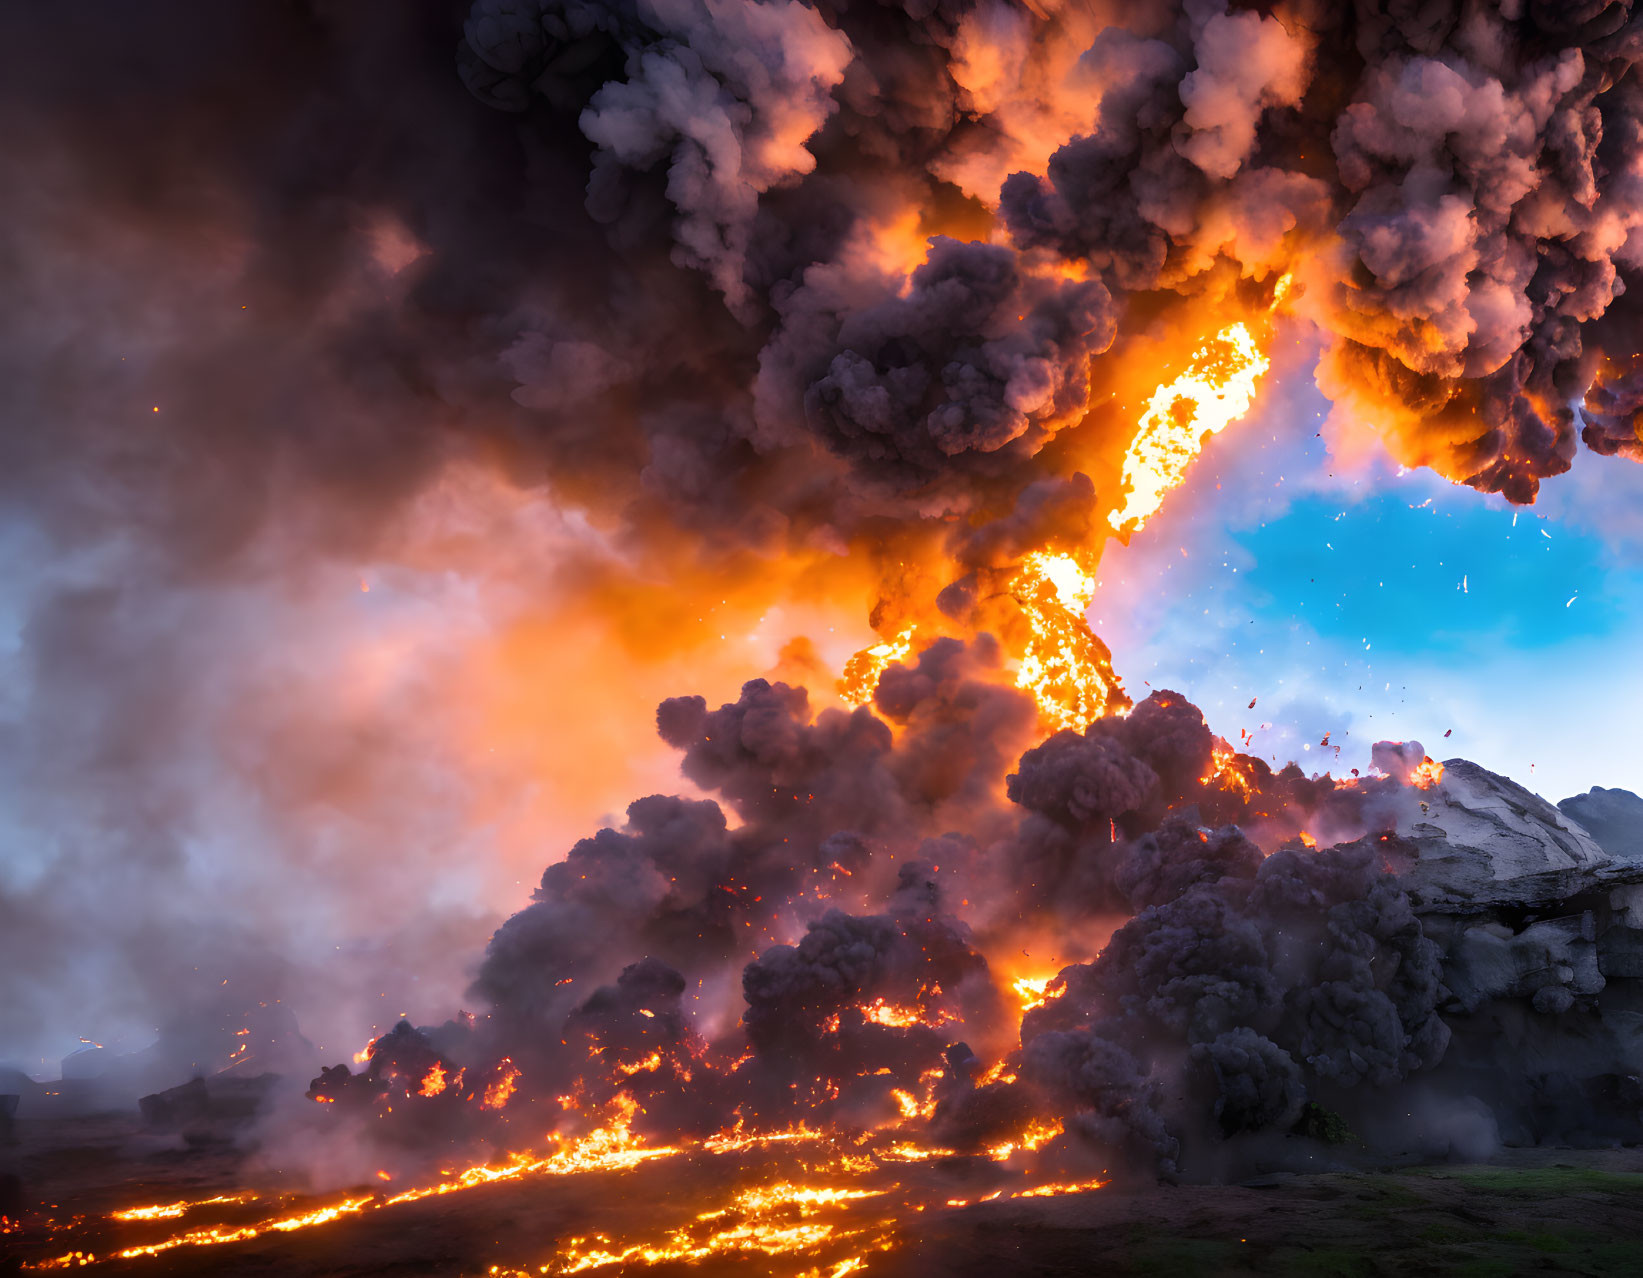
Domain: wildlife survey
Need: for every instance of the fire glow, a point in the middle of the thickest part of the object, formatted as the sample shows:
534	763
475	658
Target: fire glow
1068	673
1217	388
1065	667
517	416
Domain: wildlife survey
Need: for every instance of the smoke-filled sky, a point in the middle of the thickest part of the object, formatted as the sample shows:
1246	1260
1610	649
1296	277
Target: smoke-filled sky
399	400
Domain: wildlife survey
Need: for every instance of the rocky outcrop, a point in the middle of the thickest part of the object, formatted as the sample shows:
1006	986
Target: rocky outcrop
204	1111
1613	817
1541	926
1482	841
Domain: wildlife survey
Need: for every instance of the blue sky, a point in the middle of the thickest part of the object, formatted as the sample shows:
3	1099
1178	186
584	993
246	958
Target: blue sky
1369	602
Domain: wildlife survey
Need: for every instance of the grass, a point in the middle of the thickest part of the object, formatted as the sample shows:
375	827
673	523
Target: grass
1539	1182
1446	1222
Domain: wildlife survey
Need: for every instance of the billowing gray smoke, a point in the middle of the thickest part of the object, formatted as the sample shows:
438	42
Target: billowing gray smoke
648	250
1233	1000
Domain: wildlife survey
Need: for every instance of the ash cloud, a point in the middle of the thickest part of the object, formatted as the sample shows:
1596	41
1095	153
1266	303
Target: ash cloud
826	951
645	249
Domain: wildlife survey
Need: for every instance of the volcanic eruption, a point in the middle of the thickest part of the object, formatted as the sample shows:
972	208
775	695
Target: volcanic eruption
898	314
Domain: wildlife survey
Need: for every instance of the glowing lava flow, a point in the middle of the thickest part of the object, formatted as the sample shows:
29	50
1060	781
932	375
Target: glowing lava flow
1216	389
1066	668
773	1220
171	1211
860	1200
612	1147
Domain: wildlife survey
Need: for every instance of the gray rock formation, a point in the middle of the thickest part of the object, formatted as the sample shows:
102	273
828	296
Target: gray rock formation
1482	840
1613	817
1541	925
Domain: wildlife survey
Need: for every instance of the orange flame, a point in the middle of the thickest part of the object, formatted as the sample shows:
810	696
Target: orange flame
648	1064
1033	991
1428	772
1216	389
881	1012
498	1092
862	671
1066	668
433	1082
1224	772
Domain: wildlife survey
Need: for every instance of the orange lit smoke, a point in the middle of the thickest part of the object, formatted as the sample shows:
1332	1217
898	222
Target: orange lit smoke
1059	659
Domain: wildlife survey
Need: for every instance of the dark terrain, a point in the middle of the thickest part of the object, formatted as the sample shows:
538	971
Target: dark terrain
1542	1211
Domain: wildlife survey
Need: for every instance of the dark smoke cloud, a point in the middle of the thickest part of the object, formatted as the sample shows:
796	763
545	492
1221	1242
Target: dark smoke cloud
1259	1084
825	948
977	365
1302	974
1162	865
640	253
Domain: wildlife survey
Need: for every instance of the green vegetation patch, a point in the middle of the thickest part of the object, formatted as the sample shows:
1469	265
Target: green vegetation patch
1539	1182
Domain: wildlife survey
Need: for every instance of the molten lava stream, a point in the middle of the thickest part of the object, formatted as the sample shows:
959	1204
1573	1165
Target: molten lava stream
821	1210
819	1202
1065	666
1060	660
